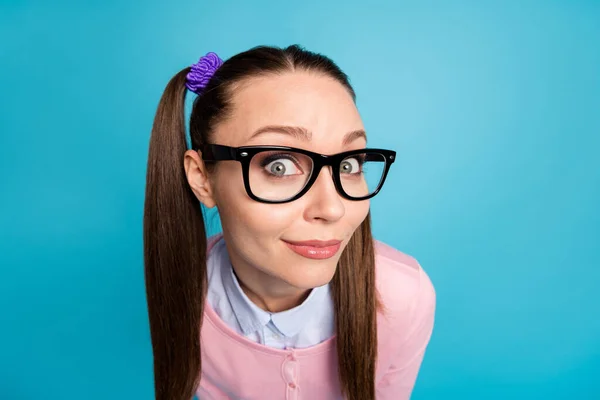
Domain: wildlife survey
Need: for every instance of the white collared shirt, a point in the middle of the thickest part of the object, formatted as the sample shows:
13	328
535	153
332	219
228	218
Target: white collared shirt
308	324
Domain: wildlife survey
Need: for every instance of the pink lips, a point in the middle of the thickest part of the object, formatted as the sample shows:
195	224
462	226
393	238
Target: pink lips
315	249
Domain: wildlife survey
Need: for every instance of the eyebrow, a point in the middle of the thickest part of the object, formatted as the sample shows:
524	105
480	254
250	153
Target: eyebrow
303	134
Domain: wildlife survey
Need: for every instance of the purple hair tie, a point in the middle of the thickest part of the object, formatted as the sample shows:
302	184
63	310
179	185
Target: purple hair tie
202	71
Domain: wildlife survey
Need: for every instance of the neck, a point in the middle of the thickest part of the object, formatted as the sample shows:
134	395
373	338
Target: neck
268	295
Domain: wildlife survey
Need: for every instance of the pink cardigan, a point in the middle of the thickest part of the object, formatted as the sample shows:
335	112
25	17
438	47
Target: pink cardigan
236	368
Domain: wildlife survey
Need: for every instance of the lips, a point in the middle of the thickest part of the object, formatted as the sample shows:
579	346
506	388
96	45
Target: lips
315	243
315	249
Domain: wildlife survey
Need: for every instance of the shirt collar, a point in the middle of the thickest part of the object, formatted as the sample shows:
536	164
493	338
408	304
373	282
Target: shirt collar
252	318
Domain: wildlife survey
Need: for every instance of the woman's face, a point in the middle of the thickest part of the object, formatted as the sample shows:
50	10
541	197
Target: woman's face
258	234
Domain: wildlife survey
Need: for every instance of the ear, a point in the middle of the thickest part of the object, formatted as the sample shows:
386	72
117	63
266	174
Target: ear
197	177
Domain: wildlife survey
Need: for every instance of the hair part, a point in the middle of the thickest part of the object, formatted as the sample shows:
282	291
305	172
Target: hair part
175	242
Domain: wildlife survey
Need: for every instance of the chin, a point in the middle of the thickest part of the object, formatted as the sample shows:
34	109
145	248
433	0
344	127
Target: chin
310	276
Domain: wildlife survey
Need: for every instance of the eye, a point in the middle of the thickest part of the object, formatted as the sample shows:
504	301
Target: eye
281	165
351	165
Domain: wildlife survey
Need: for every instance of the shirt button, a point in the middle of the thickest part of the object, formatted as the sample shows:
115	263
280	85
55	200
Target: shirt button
292	385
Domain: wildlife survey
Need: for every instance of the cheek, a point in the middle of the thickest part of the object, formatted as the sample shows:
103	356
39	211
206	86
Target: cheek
356	212
263	221
241	215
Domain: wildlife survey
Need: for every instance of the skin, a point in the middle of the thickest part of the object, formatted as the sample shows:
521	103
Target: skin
273	276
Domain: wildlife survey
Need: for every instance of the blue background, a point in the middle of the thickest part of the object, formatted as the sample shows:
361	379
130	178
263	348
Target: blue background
494	108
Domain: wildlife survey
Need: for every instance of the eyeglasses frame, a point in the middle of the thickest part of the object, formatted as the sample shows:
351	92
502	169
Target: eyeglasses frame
244	155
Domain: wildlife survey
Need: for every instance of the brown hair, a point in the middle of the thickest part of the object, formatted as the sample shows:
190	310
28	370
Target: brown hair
175	242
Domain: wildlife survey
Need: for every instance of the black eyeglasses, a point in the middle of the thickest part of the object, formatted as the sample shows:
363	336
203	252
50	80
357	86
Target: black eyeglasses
279	174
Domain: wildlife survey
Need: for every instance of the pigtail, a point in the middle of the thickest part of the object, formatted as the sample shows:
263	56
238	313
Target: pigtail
356	305
174	252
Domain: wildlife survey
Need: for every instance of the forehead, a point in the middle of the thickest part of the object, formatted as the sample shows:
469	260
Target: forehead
316	102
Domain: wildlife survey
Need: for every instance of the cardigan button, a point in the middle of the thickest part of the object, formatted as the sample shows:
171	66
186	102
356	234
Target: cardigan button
292	385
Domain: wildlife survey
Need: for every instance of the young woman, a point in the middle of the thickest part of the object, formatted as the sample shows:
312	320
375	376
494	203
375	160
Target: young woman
295	299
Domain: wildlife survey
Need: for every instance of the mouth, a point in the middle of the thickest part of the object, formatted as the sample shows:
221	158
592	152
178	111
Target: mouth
315	249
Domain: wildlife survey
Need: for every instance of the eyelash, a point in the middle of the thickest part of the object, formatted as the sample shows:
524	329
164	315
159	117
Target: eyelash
273	157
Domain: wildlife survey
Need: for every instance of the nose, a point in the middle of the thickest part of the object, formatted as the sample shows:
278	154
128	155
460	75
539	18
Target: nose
324	202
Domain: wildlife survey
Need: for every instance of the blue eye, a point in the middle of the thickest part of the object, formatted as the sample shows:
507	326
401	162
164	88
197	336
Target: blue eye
283	164
352	165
